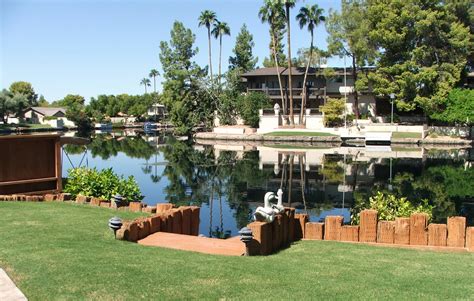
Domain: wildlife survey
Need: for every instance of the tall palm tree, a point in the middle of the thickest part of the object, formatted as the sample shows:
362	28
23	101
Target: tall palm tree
153	74
146	83
220	29
310	16
270	13
289	4
208	18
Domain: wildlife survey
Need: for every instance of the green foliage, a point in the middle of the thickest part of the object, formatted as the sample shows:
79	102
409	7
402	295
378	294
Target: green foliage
103	184
458	107
390	206
333	112
111	105
424	51
26	89
42	102
75	111
243	58
11	103
250	104
189	101
273	13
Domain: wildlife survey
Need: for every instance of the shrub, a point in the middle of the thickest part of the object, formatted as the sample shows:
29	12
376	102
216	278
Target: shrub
249	105
333	112
103	184
389	207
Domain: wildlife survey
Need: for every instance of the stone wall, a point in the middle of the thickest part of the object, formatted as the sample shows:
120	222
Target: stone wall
414	231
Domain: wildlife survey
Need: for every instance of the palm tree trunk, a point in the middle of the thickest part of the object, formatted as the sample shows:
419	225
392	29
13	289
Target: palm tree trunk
220	57
209	45
303	98
154	83
290	179
283	102
145	88
356	95
288	35
302	181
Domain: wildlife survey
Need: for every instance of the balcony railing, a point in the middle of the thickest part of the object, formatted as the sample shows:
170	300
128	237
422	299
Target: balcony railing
296	91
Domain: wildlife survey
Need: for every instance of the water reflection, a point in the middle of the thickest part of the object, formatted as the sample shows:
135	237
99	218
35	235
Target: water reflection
229	181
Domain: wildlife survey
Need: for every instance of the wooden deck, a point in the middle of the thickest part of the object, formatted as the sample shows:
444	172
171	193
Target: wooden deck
231	246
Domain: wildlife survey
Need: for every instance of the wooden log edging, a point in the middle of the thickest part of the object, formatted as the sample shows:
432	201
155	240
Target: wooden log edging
414	231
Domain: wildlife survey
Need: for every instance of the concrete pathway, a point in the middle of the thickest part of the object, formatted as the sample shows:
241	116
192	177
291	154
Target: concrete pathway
231	246
8	289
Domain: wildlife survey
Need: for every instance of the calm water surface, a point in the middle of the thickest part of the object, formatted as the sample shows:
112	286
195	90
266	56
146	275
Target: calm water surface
229	181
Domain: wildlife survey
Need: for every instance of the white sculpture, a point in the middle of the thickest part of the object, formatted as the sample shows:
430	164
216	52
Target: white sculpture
265	213
268	211
278	208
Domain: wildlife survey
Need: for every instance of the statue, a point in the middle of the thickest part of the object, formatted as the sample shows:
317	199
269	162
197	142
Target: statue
268	211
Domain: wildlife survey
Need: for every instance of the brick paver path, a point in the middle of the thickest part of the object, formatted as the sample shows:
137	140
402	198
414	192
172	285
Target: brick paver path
231	246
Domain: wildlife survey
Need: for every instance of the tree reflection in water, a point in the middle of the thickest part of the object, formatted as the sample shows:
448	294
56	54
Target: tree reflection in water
234	183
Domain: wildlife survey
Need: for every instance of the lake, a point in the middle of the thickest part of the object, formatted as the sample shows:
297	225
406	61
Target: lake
229	180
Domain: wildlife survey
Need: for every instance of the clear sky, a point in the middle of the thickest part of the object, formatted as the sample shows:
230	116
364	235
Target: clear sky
92	47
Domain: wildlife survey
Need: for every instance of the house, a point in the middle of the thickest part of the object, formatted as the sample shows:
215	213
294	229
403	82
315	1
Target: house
319	85
54	116
157	111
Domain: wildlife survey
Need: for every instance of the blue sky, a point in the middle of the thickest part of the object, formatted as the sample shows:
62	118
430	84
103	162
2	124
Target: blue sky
97	47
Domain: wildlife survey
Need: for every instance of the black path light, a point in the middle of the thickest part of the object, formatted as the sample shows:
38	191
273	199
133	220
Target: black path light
115	223
246	237
118	200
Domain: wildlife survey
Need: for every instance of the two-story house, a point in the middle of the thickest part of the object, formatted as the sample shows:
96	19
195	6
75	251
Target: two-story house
320	86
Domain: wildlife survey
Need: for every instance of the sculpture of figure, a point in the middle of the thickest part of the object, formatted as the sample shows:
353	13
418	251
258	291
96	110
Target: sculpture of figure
268	211
265	213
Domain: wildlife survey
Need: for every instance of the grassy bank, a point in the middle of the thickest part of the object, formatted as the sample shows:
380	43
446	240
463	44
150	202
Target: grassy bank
402	135
66	251
306	134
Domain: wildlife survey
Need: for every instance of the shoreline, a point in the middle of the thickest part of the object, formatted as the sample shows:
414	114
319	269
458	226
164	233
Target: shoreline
327	139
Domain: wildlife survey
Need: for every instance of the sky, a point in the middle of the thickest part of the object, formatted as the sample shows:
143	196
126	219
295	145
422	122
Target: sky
93	47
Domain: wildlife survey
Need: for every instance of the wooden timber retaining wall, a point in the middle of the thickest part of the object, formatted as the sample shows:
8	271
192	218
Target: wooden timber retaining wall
413	230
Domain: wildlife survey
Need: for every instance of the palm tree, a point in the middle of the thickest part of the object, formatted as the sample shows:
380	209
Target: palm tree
310	16
270	13
154	73
220	29
289	4
207	18
145	82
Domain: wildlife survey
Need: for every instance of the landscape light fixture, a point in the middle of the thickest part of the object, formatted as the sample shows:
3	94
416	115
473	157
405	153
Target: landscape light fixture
115	223
392	98
246	236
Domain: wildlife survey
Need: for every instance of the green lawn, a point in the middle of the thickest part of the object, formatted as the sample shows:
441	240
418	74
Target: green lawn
66	251
24	125
307	134
406	135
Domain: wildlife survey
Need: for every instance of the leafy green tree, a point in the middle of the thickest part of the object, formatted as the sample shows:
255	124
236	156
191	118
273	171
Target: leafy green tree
424	48
349	36
272	12
75	111
187	101
249	106
42	102
146	83
220	29
333	110
243	58
458	108
26	89
153	74
310	16
11	103
208	18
